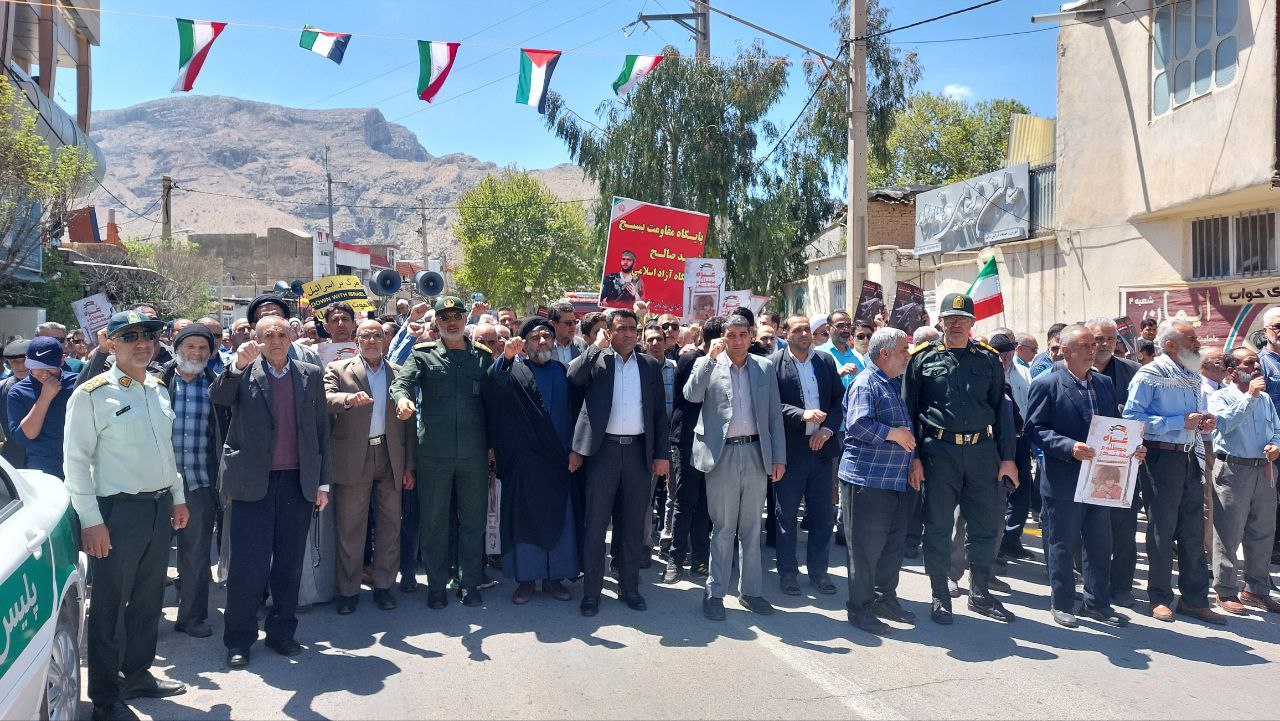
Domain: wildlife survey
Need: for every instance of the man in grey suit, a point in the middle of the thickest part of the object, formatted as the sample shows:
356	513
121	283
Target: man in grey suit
275	470
739	435
622	433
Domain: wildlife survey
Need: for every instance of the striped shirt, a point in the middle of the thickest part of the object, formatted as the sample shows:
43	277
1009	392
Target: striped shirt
873	406
192	409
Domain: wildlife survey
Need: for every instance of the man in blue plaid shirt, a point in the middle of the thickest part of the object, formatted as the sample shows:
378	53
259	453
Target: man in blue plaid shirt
877	498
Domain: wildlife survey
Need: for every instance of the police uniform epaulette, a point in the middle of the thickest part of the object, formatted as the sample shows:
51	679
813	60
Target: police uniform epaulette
96	382
919	347
482	347
425	345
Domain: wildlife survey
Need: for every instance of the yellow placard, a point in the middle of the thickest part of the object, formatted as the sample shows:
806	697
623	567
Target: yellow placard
335	288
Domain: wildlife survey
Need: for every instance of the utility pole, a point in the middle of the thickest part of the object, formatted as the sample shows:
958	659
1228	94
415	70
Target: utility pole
333	244
166	208
855	259
697	22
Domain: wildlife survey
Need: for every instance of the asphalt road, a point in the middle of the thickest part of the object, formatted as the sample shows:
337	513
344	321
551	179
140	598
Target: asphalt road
544	660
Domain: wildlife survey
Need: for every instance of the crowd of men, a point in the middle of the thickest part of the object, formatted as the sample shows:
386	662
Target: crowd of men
687	440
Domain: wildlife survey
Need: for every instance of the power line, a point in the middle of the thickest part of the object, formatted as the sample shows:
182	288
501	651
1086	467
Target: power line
123	204
926	21
1059	26
414	208
803	110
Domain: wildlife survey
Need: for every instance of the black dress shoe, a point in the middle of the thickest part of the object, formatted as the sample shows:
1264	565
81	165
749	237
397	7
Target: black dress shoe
471	597
989	607
152	687
195	629
756	604
284	647
1105	615
890	609
869	623
237	657
383	599
789	586
408	584
590	606
713	608
634	601
345	604
437	600
940	612
117	711
997	585
823	584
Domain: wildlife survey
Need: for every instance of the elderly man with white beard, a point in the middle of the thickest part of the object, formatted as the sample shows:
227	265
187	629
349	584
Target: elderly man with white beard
1165	394
198	429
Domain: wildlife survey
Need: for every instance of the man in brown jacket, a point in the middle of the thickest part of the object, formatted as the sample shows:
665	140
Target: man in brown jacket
373	453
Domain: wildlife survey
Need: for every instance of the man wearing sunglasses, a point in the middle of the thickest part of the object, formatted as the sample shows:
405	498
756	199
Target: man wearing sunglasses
129	497
841	348
568	344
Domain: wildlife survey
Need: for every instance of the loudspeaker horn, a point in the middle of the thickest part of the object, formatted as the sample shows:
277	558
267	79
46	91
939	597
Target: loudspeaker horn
282	287
296	287
428	283
385	282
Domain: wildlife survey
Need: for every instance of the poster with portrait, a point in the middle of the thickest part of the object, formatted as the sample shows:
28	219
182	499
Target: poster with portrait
908	308
1110	477
731	299
93	313
870	302
645	259
703	284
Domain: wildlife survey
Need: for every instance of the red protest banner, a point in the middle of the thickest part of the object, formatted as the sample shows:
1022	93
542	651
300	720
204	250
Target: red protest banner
648	245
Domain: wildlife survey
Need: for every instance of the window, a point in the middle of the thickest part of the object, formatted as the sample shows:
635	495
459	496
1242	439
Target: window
1193	50
837	296
1231	246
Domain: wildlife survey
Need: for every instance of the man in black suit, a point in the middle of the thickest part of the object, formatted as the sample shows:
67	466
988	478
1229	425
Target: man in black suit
812	398
623	431
690	521
1062	404
275	470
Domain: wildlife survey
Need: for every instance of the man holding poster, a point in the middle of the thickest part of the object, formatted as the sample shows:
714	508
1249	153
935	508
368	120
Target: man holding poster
1061	406
647	253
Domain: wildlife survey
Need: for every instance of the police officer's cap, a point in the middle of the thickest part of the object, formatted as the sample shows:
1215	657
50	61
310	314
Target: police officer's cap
956	304
450	302
16	349
131	319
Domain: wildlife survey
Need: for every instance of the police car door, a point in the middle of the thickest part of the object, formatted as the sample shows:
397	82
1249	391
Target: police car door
28	598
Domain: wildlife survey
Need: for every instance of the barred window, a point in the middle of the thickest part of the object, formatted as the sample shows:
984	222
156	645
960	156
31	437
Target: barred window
1227	246
837	295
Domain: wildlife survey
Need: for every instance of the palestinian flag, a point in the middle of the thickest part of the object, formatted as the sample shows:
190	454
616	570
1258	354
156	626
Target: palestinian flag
329	45
985	292
536	67
636	67
195	38
436	60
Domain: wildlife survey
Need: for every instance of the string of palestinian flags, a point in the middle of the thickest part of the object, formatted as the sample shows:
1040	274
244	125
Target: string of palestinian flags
435	61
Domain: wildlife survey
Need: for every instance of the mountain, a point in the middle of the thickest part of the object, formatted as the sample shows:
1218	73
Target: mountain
243	155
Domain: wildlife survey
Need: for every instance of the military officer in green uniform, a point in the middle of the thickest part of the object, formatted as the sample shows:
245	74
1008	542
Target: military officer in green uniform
128	494
954	390
453	449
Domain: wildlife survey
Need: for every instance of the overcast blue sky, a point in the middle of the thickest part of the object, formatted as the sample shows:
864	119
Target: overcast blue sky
258	57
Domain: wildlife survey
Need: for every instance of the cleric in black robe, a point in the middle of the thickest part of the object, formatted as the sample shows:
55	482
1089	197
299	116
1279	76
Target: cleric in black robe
530	409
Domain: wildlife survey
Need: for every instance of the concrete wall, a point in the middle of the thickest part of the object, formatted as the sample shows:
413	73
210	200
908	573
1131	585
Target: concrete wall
251	259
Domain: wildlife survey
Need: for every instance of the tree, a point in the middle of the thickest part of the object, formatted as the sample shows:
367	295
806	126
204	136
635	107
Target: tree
171	275
63	286
520	244
685	137
37	185
938	140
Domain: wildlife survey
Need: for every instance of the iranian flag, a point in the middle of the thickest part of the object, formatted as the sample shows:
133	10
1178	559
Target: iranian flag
536	67
436	60
329	45
985	292
636	67
195	38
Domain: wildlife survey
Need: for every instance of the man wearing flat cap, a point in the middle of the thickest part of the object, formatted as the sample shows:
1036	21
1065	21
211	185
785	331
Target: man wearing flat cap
129	497
15	357
449	375
531	408
954	393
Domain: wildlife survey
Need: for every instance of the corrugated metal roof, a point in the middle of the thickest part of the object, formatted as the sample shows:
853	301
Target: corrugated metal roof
1031	140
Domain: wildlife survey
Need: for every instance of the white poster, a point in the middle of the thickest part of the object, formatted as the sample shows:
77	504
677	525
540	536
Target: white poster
330	352
93	313
1110	477
703	282
731	299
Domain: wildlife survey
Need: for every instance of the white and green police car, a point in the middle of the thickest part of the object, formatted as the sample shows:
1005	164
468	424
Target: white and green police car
42	598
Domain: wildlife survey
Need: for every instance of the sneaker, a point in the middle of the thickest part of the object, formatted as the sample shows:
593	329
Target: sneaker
673	573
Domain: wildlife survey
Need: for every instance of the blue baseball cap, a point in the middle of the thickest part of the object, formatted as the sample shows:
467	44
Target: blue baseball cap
44	354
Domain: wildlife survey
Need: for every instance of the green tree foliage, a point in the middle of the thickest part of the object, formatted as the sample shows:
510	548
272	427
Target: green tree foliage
37	184
171	275
516	234
939	140
63	286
